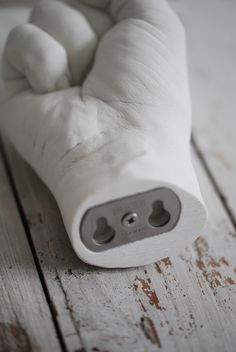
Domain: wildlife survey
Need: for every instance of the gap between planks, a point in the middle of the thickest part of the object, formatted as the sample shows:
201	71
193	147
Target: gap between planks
213	180
36	258
31	244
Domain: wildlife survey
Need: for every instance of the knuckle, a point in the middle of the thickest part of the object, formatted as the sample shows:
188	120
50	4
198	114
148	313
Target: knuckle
175	25
15	33
41	5
18	35
180	27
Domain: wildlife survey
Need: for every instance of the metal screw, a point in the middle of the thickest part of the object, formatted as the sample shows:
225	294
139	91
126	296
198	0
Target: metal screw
130	219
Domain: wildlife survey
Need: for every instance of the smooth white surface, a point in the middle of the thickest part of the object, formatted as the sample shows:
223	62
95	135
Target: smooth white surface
125	130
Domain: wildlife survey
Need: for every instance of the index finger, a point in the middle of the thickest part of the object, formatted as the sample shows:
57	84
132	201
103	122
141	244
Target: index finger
154	12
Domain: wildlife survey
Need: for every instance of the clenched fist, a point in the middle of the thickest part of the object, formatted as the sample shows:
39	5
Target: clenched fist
96	100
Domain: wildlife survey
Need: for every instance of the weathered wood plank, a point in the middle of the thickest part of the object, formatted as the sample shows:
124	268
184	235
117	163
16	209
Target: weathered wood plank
186	303
25	319
211	28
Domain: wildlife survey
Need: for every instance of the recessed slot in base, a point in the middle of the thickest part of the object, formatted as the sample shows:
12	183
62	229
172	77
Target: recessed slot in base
130	219
160	216
104	233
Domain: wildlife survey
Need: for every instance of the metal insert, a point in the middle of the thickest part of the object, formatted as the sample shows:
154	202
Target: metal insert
130	219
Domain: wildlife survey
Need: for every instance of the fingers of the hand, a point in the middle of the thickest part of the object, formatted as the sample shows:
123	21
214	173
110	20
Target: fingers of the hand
32	53
100	4
70	28
100	21
156	12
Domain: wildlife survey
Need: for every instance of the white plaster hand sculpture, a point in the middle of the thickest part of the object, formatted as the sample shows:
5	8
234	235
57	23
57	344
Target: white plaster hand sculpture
97	101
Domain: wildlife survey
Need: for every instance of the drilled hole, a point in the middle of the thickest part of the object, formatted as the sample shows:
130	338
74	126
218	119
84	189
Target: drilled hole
104	233
160	216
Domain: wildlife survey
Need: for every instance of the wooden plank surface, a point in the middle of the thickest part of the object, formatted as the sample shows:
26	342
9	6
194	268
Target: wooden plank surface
211	28
25	320
186	303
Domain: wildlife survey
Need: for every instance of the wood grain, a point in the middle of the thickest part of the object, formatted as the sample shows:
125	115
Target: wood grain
210	27
25	320
178	304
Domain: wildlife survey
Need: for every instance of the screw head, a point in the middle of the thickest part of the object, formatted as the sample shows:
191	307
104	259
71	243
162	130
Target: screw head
130	219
